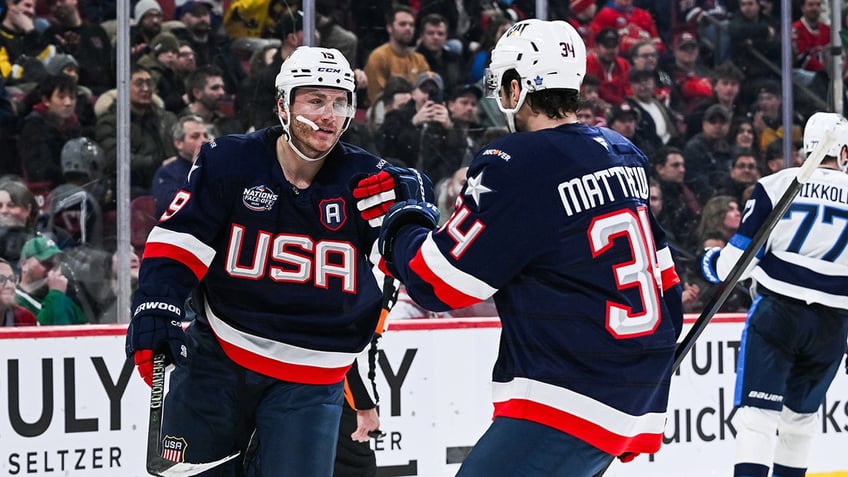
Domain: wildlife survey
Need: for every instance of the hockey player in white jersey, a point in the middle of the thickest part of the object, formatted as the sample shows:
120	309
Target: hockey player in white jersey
554	225
795	334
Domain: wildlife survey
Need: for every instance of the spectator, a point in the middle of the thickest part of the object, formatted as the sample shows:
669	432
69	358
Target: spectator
333	35
632	24
108	297
12	314
258	91
707	19
582	14
752	36
691	79
680	208
645	56
43	285
742	135
774	159
466	20
162	61
210	47
810	40
9	161
186	62
190	132
398	91
46	129
21	45
432	45
394	57
252	19
18	212
498	25
87	42
708	153
419	134
82	165
590	94
462	105
657	124
205	89
744	172
62	64
148	24
726	83
623	119
768	115
611	70
150	128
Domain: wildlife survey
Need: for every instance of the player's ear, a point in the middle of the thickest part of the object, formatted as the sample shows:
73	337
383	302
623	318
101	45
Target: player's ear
281	110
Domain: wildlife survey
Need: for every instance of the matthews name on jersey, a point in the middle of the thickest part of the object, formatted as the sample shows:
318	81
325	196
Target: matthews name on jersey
273	262
804	256
583	275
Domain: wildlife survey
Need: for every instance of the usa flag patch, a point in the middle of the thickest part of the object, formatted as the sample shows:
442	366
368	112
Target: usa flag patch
173	448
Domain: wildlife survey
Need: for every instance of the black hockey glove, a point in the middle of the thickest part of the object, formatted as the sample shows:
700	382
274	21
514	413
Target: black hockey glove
411	212
156	329
377	193
708	261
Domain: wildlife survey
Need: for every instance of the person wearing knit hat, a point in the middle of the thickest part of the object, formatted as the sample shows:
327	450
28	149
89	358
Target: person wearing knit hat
57	64
163	43
144	7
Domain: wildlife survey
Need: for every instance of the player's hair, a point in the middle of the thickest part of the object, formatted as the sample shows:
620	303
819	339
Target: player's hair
553	103
178	131
197	79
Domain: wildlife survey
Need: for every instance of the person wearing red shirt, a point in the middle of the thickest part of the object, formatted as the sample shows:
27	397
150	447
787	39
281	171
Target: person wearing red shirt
612	70
810	39
632	23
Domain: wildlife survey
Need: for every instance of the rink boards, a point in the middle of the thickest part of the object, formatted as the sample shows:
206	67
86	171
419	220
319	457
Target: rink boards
73	406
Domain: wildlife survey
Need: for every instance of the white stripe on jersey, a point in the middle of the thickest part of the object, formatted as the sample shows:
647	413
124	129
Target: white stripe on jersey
204	253
454	277
576	404
274	350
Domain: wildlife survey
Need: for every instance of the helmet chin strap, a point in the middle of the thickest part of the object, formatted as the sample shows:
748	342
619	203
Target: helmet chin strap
509	114
288	134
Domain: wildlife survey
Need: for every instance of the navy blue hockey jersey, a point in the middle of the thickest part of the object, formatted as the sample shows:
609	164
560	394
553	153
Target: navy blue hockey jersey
555	225
289	290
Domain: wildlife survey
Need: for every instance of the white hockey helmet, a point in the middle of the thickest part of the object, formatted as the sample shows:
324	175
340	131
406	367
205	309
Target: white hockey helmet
814	132
320	68
82	155
545	54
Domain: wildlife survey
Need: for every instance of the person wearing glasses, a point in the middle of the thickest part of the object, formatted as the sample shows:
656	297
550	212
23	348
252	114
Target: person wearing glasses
11	314
744	173
43	286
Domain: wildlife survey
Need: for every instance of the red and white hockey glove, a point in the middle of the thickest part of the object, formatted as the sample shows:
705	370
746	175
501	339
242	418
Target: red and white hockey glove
377	193
152	333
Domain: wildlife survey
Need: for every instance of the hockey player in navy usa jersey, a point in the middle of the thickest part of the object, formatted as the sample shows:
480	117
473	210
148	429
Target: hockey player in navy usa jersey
266	236
795	333
554	224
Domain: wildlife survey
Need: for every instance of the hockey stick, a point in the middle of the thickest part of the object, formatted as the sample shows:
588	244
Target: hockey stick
156	464
723	290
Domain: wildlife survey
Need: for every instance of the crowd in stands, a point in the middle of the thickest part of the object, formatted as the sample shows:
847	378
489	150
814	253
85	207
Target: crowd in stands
661	73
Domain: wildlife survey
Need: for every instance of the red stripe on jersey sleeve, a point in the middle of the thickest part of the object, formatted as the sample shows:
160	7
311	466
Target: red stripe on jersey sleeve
669	278
295	373
166	250
443	291
578	427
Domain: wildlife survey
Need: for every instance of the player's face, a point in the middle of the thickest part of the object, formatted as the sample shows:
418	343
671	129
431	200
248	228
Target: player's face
328	109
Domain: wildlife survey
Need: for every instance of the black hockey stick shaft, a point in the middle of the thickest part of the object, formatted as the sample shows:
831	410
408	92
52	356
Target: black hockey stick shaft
723	290
156	464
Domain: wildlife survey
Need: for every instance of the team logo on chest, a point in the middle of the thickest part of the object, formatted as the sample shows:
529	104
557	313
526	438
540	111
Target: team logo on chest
259	198
333	214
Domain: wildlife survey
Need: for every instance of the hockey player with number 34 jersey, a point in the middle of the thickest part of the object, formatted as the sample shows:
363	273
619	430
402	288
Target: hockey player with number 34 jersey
554	224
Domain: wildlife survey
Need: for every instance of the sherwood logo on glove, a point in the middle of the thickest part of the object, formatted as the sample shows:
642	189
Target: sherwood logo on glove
158	305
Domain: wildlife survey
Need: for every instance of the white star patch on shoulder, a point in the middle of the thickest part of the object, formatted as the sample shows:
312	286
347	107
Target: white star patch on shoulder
475	188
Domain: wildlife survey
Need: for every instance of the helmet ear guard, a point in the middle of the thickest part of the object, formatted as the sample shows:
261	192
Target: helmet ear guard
545	54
